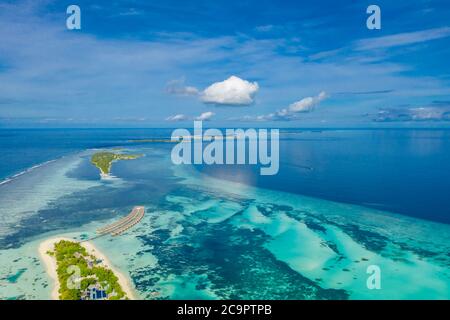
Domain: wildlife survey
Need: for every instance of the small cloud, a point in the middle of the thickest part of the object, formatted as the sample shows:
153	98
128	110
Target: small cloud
307	104
232	91
291	112
205	116
177	117
428	113
177	87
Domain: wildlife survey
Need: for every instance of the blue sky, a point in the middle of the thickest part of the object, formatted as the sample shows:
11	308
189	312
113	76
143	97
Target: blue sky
234	63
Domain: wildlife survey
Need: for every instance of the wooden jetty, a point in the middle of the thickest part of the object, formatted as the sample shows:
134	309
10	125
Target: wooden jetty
119	227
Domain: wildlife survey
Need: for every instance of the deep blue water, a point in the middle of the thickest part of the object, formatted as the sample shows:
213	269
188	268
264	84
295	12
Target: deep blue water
402	171
22	148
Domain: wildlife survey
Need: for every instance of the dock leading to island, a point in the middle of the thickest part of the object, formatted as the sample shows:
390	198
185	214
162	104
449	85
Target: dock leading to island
100	280
122	225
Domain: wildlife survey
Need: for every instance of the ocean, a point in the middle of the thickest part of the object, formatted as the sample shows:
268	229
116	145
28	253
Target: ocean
343	200
406	171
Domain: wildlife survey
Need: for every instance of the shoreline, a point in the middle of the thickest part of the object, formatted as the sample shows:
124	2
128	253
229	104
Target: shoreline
51	266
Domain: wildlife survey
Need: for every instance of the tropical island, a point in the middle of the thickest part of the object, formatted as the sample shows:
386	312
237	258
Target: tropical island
81	272
103	160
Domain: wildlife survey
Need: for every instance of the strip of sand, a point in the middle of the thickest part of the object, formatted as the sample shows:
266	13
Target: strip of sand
50	265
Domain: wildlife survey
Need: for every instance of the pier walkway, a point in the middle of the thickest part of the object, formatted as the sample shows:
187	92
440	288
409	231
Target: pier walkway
119	227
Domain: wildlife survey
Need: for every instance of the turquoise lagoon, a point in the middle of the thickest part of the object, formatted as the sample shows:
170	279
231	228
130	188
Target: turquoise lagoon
207	238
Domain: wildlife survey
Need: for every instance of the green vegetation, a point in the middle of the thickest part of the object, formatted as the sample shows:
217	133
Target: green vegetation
104	160
70	254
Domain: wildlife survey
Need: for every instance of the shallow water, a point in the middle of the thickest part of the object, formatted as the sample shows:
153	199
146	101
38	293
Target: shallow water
207	238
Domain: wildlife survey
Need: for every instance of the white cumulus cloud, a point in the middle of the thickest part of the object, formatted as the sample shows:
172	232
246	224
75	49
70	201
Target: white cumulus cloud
290	113
307	104
232	91
205	116
177	117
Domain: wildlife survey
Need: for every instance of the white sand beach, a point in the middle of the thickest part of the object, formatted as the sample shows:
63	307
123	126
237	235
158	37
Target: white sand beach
50	265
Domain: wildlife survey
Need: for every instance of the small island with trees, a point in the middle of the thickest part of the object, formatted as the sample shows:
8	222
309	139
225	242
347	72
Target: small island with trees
81	272
103	160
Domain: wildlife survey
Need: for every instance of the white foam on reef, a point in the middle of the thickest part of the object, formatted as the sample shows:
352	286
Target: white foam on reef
11	178
34	189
